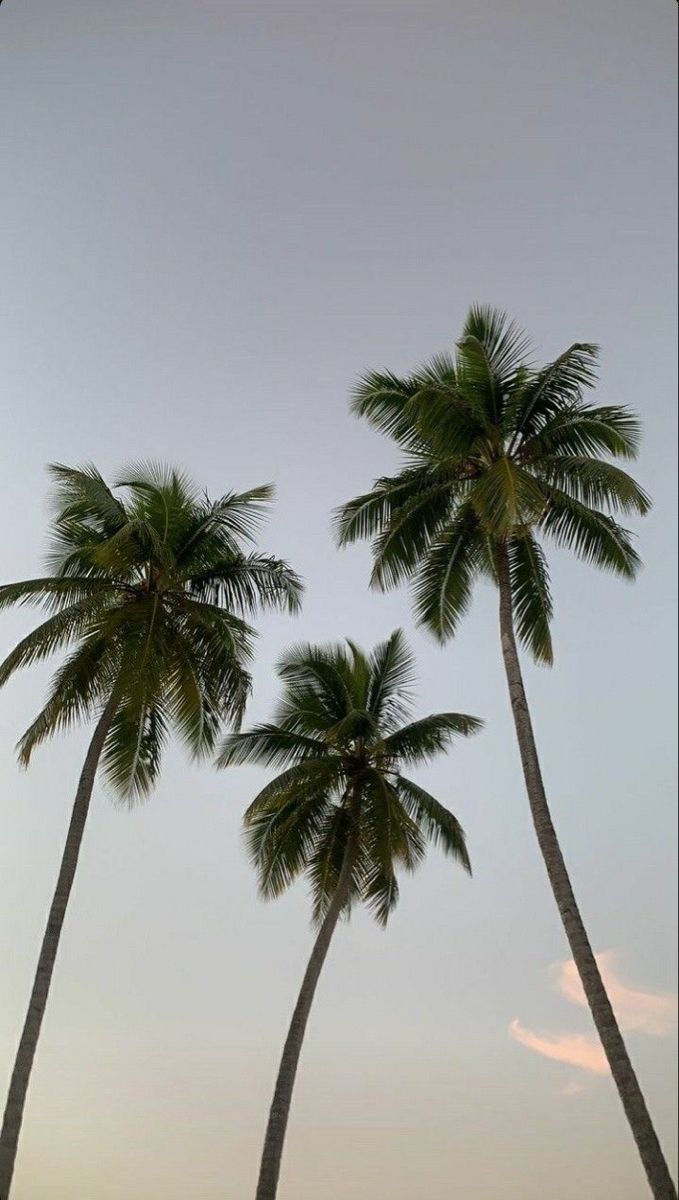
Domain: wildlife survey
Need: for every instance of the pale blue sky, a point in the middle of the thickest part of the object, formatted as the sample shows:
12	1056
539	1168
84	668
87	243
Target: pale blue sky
212	217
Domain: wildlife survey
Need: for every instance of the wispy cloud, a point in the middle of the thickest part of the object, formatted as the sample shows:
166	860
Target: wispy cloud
579	1050
652	1013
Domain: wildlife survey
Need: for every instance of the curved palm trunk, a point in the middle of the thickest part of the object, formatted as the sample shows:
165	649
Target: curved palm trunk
269	1170
16	1099
602	1012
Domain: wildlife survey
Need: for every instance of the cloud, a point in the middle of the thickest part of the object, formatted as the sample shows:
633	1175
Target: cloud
579	1050
651	1013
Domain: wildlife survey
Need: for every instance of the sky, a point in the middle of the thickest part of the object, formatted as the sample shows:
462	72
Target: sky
213	217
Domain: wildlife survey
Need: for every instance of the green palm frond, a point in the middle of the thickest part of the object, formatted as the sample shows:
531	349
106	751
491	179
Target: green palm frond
400	544
312	775
54	634
82	682
270	746
383	399
595	483
281	836
531	597
390	834
380	892
421	740
442	587
322	670
367	514
53	593
437	822
326	858
591	535
248	583
545	393
82	495
506	496
234	518
133	749
584	429
392	680
505	344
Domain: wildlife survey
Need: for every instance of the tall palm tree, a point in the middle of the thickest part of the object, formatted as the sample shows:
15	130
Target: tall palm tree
340	812
499	457
149	591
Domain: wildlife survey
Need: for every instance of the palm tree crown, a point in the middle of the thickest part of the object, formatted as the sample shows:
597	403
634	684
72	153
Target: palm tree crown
498	454
149	588
342	734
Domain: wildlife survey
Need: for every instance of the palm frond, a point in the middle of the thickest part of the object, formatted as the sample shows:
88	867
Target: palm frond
382	398
585	429
380	892
421	740
506	496
133	749
554	389
595	483
326	860
52	593
591	535
248	583
531	597
443	584
392	681
82	494
54	634
80	684
405	537
269	745
282	835
436	821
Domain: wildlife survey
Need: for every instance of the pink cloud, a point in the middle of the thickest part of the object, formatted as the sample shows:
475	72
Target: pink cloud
579	1050
653	1013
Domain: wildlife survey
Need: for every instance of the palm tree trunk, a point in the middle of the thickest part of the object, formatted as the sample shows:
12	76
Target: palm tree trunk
18	1088
622	1070
269	1170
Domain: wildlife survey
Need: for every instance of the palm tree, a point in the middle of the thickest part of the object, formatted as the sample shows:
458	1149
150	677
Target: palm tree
500	456
340	812
149	590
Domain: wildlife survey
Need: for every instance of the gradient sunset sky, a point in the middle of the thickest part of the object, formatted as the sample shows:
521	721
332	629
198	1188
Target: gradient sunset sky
213	216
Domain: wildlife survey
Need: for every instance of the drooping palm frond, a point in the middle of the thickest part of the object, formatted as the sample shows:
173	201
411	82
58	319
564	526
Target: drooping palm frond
531	596
439	824
591	535
442	585
384	399
248	583
367	514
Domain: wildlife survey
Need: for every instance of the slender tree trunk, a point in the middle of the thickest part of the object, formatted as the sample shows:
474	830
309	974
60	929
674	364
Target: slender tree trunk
622	1070
269	1170
18	1088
